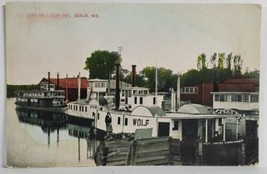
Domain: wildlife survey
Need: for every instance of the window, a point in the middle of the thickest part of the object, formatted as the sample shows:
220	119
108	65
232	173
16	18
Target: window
103	84
119	120
222	98
85	108
135	100
98	116
189	90
176	125
217	97
126	121
141	100
245	98
154	100
254	98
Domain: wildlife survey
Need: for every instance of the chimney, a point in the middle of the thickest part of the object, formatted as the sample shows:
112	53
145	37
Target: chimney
117	96
57	81
48	81
133	78
215	81
178	91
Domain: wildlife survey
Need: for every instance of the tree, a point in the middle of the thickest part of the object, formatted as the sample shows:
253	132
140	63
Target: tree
213	60
201	62
229	61
238	62
101	64
221	60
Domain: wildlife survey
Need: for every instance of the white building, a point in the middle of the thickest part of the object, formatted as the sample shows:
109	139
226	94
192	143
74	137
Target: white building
236	100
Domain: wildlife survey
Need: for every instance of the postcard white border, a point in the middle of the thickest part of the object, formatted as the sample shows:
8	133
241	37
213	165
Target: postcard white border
262	168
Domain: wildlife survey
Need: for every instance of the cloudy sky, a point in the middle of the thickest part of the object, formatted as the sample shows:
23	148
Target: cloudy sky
59	37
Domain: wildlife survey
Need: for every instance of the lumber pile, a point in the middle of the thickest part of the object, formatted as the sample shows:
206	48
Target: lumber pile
153	151
141	152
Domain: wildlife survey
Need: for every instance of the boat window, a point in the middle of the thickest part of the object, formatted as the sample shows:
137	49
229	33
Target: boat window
141	100
126	121
176	125
119	120
154	100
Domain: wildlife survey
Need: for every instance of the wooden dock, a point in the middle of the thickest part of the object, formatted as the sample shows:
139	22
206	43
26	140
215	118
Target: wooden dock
151	151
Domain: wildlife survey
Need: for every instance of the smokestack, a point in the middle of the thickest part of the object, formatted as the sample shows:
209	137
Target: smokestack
178	91
117	96
57	81
215	82
48	81
67	98
133	80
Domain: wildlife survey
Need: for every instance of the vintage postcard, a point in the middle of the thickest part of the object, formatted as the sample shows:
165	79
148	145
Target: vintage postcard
132	84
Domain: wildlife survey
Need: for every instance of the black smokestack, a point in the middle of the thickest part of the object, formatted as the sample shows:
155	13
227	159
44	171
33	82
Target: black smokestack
117	96
215	81
133	80
57	81
48	81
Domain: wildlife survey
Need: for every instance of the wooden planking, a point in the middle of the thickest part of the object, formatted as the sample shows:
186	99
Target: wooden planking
153	153
153	146
158	162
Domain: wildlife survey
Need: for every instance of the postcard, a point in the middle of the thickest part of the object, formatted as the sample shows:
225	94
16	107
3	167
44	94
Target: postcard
132	84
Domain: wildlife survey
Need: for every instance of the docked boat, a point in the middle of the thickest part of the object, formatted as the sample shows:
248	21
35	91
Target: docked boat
136	109
47	98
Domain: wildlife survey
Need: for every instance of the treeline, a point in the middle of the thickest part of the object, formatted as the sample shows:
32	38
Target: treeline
12	89
224	66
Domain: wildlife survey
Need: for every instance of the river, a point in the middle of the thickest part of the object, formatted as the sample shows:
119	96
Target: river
45	139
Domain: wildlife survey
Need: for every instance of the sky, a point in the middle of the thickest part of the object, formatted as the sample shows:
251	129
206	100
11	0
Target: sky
59	37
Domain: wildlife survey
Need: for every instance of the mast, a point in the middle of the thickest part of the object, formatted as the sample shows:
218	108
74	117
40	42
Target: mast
156	80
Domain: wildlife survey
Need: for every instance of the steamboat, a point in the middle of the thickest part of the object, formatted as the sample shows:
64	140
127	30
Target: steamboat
47	98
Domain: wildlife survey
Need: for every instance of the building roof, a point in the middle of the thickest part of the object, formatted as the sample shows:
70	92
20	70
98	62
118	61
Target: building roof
148	111
242	81
71	82
194	109
97	80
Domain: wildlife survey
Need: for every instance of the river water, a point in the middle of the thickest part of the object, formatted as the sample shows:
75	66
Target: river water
45	139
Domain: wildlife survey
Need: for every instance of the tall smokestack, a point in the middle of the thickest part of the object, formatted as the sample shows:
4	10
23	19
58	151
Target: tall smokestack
215	82
178	91
48	81
67	94
133	79
57	81
117	96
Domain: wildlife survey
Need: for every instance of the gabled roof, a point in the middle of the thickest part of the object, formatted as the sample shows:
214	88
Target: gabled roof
71	82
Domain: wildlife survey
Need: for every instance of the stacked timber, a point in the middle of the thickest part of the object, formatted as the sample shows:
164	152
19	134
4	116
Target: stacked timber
141	152
175	149
152	151
112	153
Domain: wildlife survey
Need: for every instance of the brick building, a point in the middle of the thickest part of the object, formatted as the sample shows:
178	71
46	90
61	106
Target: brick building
201	93
71	84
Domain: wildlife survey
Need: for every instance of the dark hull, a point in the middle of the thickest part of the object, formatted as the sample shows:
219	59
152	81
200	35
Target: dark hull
48	109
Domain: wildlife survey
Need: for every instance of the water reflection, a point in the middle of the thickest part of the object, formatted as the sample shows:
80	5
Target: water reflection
79	128
49	127
49	122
